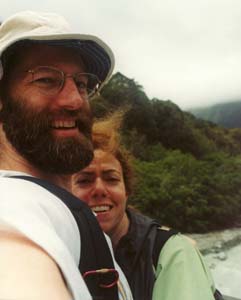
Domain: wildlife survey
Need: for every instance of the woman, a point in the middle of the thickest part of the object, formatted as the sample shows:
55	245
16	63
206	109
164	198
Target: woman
105	186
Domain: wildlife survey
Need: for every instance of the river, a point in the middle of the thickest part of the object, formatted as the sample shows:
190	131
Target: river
222	251
226	269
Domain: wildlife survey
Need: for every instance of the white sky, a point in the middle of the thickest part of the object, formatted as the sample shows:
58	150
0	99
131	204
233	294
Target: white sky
188	51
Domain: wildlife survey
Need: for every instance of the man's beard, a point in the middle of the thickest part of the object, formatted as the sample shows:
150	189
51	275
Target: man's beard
30	133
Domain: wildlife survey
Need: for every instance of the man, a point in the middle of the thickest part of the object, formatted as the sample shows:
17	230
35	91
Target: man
47	76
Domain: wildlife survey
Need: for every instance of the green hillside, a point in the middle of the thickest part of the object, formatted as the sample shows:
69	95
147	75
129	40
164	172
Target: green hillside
188	170
225	114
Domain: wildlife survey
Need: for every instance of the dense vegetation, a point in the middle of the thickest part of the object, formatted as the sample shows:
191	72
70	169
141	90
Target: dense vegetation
224	114
188	170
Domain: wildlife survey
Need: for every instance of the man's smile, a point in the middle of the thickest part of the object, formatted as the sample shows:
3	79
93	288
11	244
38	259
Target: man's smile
63	124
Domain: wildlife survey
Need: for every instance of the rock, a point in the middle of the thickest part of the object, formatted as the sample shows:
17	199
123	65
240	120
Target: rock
221	256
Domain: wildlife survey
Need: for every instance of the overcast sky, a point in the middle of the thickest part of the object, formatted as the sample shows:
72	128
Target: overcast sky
188	51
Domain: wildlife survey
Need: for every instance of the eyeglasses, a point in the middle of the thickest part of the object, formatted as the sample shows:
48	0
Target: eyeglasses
50	81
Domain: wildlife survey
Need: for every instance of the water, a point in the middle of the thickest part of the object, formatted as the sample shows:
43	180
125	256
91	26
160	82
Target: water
226	269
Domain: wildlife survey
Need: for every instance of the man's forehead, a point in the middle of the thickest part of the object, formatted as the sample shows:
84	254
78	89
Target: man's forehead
37	55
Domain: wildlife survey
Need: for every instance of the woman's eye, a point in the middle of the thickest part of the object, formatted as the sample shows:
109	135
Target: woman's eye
83	181
113	179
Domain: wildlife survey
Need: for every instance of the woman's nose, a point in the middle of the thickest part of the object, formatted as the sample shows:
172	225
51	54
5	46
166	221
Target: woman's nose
99	189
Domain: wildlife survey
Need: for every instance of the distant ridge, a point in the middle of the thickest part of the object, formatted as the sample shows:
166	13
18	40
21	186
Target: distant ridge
225	114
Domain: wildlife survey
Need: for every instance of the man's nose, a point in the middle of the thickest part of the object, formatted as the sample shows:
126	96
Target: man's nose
69	96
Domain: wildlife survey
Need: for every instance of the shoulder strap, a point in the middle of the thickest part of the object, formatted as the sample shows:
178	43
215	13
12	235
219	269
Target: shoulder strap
95	252
162	236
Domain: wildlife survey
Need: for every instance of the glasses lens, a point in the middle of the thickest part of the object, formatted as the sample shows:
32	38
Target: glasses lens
48	80
87	83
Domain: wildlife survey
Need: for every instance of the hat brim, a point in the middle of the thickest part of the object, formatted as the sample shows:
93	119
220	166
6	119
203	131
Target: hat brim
97	56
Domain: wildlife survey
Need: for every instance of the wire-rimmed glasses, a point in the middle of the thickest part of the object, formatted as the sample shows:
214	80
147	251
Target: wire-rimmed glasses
50	81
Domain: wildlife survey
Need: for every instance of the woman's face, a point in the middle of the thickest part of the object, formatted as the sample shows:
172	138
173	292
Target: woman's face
102	187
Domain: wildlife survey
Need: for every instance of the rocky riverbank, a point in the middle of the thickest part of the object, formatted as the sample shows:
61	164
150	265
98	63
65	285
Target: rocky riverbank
217	241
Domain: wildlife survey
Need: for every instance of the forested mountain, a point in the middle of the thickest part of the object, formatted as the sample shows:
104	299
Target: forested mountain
188	170
225	114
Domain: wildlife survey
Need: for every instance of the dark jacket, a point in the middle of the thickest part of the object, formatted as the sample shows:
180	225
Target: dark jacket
134	255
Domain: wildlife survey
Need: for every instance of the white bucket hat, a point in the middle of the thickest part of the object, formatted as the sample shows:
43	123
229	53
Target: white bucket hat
50	28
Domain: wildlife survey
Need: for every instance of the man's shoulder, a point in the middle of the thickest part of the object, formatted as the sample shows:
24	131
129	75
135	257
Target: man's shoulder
9	181
19	192
11	186
9	173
